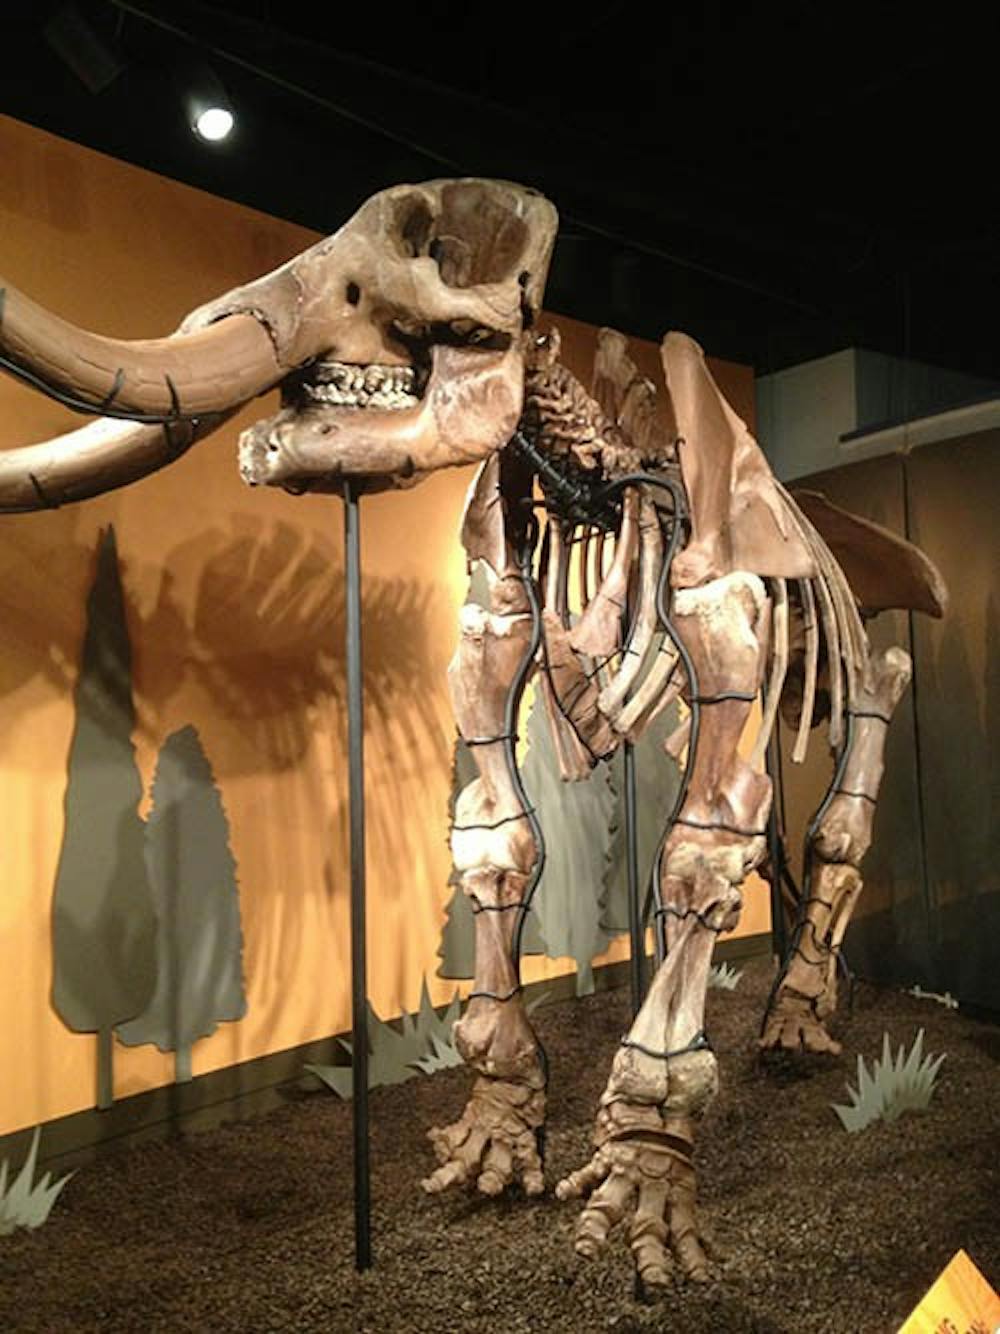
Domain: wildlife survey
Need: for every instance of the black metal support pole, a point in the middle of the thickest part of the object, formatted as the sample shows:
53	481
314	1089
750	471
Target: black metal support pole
636	924
356	778
776	849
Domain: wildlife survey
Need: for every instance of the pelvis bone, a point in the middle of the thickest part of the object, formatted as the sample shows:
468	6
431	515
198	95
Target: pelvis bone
396	343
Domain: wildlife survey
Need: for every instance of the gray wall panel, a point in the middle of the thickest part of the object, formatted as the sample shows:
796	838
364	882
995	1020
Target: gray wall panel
954	498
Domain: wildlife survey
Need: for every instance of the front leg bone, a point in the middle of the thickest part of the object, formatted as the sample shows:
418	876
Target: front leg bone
665	1075
494	850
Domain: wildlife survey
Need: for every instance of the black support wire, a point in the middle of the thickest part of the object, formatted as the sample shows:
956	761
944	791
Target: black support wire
525	553
776	845
636	919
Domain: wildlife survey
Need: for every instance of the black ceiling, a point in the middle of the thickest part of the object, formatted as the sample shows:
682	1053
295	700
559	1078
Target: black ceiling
780	181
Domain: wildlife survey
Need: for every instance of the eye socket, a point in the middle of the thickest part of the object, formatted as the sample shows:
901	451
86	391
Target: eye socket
415	227
353	294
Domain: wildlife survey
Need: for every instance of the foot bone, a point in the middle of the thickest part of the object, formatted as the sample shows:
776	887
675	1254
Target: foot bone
493	1141
642	1165
792	1024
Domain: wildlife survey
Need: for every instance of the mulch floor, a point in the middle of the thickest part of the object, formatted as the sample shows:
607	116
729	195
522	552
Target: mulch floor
249	1227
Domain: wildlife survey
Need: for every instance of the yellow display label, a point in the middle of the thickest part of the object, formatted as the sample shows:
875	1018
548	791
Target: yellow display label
960	1302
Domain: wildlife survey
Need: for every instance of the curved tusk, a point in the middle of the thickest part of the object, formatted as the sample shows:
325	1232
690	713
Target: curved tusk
185	375
99	457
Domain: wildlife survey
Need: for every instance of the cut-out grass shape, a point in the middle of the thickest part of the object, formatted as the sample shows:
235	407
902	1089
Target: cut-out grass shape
395	1053
724	977
444	1055
27	1202
893	1087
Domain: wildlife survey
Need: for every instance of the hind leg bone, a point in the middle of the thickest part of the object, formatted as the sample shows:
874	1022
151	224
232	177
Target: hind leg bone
806	990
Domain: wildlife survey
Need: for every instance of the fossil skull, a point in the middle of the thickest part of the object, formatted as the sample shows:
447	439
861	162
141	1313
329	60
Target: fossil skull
396	342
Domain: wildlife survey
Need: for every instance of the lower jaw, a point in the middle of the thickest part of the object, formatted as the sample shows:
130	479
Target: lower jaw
306	453
462	418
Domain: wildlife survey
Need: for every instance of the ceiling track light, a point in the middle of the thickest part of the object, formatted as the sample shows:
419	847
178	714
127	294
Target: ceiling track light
207	106
214	124
93	58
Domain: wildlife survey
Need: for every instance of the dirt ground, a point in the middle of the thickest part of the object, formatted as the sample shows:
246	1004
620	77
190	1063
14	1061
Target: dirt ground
249	1227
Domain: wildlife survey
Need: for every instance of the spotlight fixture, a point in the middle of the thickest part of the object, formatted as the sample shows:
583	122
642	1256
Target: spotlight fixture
209	111
214	123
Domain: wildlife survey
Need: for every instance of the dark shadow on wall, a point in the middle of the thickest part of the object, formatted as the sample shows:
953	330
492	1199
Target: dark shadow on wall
45	571
264	640
928	911
253	616
955	489
264	636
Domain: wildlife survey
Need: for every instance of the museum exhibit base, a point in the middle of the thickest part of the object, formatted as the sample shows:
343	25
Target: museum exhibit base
250	1089
249	1225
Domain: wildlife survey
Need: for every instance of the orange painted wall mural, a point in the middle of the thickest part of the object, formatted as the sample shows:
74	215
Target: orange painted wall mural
234	607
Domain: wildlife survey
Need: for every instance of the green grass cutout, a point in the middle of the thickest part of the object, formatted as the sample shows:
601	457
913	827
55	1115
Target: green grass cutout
27	1202
725	978
395	1054
893	1087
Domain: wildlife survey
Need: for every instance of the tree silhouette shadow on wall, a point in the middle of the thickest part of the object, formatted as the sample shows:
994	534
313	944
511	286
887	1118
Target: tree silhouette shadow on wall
43	560
263	634
145	915
103	919
252	618
256	618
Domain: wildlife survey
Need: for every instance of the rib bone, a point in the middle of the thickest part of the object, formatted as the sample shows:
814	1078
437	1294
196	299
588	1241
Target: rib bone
598	631
612	697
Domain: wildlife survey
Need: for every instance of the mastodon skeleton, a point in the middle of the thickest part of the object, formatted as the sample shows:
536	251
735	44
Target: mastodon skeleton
407	342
